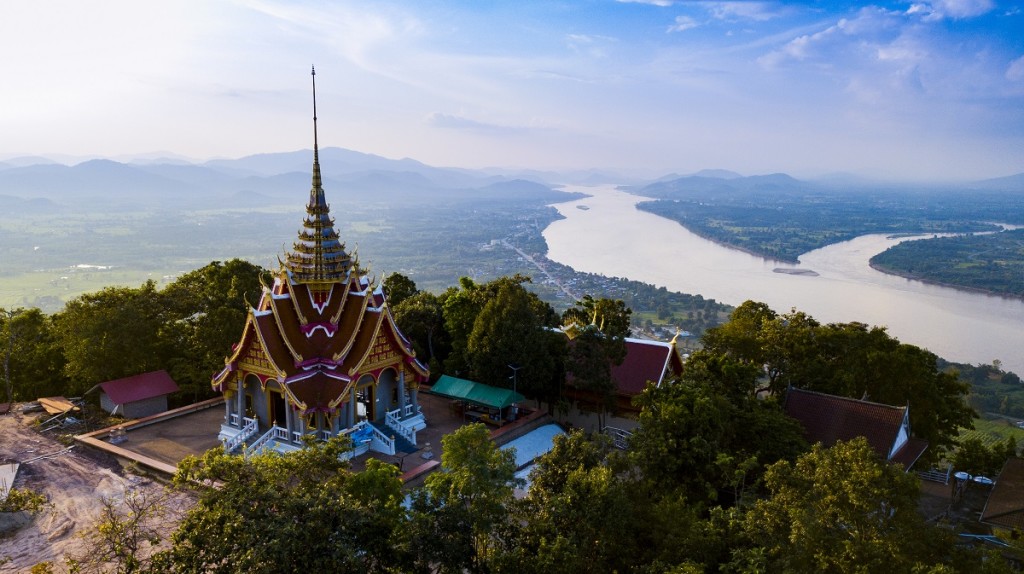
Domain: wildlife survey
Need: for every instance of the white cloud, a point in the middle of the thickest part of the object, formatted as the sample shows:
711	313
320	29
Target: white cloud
759	11
955	9
662	3
800	48
1015	72
682	24
843	40
594	46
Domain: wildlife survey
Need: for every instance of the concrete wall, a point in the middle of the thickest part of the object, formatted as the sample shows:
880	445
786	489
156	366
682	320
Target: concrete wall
137	409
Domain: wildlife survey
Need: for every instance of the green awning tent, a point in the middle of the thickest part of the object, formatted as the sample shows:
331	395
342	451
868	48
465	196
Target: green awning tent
476	393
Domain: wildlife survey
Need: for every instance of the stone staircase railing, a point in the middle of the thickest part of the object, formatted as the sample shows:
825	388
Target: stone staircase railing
275	433
394	422
250	428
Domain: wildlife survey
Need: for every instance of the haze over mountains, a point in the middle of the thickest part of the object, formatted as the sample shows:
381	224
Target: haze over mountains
34	182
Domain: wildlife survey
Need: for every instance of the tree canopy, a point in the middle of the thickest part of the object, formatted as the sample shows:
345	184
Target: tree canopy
847	359
300	512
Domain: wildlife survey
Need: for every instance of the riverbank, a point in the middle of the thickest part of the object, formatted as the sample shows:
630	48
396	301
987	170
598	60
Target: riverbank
929	281
960	326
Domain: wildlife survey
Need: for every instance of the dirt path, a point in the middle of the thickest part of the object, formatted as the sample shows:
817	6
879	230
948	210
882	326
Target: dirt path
74	480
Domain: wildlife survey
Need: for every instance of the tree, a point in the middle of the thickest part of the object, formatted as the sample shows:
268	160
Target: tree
114	333
511	329
841	509
600	328
578	514
847	359
420	317
457	511
975	457
302	511
206	312
398	288
613	317
31	362
705	435
125	534
463	305
589	367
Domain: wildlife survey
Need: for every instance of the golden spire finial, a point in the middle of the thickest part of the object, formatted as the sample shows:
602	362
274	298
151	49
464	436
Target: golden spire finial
314	115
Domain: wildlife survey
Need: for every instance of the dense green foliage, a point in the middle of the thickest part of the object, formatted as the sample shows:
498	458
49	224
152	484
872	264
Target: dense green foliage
781	218
840	510
989	262
302	512
993	391
847	359
716	479
599	328
186	328
31	359
478	330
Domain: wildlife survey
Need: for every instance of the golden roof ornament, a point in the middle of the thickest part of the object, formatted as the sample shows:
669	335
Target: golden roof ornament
318	257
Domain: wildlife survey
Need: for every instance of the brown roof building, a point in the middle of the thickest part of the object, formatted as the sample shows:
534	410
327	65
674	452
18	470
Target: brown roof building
828	419
1005	506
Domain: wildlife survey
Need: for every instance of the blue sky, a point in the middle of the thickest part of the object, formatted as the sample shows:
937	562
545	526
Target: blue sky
904	90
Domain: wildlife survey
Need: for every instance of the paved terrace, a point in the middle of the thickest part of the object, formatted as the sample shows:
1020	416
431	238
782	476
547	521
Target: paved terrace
161	441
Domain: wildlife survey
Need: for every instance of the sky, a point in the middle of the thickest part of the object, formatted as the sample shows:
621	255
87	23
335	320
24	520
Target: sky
920	90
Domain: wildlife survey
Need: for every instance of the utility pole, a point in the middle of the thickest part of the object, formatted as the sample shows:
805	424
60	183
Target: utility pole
515	378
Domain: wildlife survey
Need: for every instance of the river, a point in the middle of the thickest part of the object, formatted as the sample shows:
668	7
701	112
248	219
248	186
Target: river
614	238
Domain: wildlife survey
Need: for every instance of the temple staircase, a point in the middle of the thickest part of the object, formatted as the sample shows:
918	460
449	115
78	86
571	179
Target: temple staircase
401	443
250	428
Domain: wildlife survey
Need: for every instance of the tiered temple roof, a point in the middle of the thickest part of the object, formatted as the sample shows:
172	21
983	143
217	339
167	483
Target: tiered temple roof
322	325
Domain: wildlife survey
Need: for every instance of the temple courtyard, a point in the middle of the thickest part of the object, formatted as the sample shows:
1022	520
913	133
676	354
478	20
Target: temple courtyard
160	442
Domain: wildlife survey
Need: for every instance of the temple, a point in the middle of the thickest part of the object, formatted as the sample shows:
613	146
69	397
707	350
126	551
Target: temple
320	353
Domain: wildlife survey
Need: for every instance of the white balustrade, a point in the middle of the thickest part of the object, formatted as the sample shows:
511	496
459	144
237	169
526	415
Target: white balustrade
250	428
620	437
393	422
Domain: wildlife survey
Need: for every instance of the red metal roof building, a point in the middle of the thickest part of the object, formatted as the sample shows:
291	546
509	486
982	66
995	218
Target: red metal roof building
320	350
829	418
137	396
646	362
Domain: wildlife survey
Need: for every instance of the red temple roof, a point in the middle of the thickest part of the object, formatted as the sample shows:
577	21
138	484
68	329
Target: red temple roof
645	361
828	419
320	326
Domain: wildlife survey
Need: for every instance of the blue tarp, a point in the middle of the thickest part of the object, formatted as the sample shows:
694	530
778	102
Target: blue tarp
362	435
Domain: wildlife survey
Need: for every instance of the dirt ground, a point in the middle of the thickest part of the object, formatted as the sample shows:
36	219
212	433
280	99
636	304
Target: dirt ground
75	481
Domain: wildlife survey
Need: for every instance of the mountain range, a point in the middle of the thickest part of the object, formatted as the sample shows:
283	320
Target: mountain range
34	183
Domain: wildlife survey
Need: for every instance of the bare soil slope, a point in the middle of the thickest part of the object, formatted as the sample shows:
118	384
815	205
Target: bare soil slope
74	480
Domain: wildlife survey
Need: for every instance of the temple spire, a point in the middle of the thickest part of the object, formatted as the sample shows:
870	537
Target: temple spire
318	257
317	192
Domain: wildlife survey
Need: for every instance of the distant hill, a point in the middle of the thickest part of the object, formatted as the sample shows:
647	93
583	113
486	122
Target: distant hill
718	174
1008	183
710	187
25	161
265	179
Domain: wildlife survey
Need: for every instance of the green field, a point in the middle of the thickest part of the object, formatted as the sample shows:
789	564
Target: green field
992	430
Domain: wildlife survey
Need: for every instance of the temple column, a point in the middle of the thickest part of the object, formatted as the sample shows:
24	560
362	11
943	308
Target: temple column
401	394
241	401
227	412
289	414
352	408
414	395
